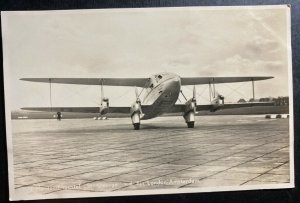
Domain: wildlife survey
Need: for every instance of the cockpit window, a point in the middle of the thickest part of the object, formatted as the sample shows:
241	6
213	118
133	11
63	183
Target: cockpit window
151	86
158	77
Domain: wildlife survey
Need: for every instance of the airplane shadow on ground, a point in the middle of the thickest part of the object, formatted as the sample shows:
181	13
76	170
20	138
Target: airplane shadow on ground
153	126
122	129
66	128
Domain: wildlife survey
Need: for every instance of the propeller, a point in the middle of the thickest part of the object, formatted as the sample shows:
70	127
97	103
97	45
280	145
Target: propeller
137	96
194	93
194	99
102	93
104	104
103	98
138	101
191	105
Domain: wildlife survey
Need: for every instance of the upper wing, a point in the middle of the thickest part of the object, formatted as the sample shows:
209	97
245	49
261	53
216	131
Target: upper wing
181	107
141	82
215	80
138	82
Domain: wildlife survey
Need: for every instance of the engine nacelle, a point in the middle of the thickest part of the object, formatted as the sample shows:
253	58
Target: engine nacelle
189	112
217	103
104	106
190	105
136	111
59	116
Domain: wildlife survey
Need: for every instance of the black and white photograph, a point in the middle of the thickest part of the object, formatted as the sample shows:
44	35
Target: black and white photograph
139	101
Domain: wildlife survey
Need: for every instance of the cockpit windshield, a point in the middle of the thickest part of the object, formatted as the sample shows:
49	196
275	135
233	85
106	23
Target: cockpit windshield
158	77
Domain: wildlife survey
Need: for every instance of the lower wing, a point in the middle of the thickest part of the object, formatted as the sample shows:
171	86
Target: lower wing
124	110
178	108
181	107
78	109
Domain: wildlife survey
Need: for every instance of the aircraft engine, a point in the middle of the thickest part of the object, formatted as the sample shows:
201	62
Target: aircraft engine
190	110
135	112
59	116
217	103
104	106
189	113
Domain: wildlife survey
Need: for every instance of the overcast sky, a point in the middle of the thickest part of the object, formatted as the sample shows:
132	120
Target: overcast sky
139	42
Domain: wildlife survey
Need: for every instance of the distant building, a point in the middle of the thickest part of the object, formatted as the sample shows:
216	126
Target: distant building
267	99
241	100
253	100
281	101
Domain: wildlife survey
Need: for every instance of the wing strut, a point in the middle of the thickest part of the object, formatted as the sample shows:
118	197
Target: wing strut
143	88
50	93
102	91
183	95
212	90
253	92
104	103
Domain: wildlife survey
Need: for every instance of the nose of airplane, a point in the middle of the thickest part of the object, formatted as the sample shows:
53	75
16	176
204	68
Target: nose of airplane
172	87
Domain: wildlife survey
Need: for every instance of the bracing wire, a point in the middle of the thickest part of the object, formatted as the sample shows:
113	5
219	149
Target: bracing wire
235	90
199	94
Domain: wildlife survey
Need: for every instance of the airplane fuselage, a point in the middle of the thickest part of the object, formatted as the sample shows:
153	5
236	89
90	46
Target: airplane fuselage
162	93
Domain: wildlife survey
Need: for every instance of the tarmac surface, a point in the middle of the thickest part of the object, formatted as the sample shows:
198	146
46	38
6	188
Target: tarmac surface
86	155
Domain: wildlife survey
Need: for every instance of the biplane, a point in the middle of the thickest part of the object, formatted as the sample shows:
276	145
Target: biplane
162	90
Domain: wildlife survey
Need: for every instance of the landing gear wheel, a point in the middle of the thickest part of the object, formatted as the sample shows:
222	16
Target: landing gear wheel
136	126
190	124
